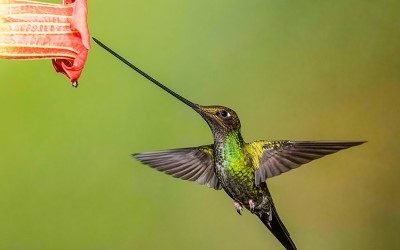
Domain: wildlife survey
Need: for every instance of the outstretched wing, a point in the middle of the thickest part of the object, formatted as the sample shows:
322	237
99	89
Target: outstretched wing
276	157
193	164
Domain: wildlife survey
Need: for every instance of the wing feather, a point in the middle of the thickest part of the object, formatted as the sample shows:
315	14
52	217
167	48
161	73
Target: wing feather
192	164
278	157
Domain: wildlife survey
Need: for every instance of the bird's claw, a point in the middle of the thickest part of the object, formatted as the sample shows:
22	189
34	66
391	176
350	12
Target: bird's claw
238	207
252	205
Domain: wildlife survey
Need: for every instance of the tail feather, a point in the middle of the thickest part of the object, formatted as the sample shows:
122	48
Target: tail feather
275	225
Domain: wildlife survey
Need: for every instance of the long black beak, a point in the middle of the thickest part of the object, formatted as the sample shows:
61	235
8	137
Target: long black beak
196	107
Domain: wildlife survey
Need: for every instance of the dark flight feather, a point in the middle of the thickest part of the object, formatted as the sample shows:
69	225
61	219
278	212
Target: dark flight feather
192	164
281	156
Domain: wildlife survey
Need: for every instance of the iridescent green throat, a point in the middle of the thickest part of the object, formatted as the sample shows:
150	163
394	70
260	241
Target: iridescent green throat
232	152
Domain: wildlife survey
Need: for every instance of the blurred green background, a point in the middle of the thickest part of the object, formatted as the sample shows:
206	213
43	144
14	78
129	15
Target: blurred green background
298	70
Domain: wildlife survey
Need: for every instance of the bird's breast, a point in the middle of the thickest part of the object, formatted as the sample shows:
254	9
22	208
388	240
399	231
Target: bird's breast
236	175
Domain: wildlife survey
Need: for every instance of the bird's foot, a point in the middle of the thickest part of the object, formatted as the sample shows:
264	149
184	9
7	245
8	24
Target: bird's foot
252	205
238	207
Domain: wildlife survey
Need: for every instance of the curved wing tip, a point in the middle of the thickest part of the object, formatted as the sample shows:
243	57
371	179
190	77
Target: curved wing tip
356	143
136	156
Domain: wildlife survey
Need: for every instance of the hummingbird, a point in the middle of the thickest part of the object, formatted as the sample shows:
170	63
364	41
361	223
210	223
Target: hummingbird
240	168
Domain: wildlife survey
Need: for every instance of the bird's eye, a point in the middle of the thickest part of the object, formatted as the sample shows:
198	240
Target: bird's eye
224	114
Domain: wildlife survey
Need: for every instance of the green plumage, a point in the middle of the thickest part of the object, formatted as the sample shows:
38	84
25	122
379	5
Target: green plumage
235	167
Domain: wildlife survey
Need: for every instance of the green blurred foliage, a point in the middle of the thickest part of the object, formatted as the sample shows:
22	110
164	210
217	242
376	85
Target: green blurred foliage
291	69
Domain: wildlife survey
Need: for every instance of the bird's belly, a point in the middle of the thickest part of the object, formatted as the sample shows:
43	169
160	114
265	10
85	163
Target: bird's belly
239	184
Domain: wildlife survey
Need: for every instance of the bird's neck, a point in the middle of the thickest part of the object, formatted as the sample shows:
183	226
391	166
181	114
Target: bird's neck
231	141
229	150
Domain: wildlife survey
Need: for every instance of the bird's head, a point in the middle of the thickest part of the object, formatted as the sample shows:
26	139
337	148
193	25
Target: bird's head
220	119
